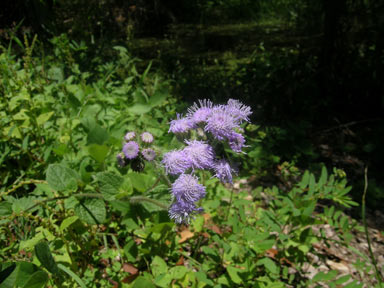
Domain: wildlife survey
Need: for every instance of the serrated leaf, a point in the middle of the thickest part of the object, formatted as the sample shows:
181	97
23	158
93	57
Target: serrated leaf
5	208
45	257
91	211
109	184
61	178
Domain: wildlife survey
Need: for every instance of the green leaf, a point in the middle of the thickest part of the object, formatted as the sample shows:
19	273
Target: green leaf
19	276
68	222
6	271
163	280
232	271
158	266
269	265
5	208
178	272
321	276
91	211
37	280
43	118
142	282
109	184
98	152
61	178
139	109
323	177
73	275
45	257
141	182
97	135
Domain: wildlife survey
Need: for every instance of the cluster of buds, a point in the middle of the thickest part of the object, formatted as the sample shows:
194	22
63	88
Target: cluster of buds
136	151
212	127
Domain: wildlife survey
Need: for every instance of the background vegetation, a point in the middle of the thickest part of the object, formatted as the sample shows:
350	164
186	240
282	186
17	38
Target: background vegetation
76	75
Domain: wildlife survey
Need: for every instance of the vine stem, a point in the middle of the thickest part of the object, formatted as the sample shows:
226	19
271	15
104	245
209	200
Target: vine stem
26	182
230	204
379	277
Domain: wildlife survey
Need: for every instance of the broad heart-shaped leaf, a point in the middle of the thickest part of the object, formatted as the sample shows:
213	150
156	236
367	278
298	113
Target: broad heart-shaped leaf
91	211
45	257
98	152
61	178
19	275
37	280
109	184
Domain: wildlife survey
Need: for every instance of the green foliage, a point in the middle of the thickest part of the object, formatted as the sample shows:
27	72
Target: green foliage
92	224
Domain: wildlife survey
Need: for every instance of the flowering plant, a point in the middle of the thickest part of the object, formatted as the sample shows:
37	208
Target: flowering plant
205	130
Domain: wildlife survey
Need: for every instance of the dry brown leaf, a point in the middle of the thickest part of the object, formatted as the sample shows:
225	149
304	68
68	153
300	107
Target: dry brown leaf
185	235
271	253
129	268
180	262
216	229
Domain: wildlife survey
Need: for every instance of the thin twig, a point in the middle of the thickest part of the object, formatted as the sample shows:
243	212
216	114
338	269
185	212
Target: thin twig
22	183
379	277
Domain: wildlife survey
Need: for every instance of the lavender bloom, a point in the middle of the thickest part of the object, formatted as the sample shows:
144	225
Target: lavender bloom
236	141
187	189
148	154
176	162
223	171
238	110
220	123
200	114
200	154
182	212
129	136
180	125
146	137
120	160
131	150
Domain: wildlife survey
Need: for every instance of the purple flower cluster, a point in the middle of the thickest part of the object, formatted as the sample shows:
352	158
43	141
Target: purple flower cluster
133	154
215	125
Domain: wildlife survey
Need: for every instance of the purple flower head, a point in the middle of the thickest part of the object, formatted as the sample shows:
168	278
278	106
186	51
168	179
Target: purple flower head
220	123
148	154
181	125
186	188
176	162
131	150
200	113
146	137
120	160
236	141
129	136
238	110
182	212
200	154
223	171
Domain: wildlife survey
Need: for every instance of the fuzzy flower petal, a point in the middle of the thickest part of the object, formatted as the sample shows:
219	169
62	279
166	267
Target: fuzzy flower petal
199	113
238	110
223	171
236	142
181	125
201	154
186	188
220	123
182	212
129	136
131	150
146	137
148	154
176	162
